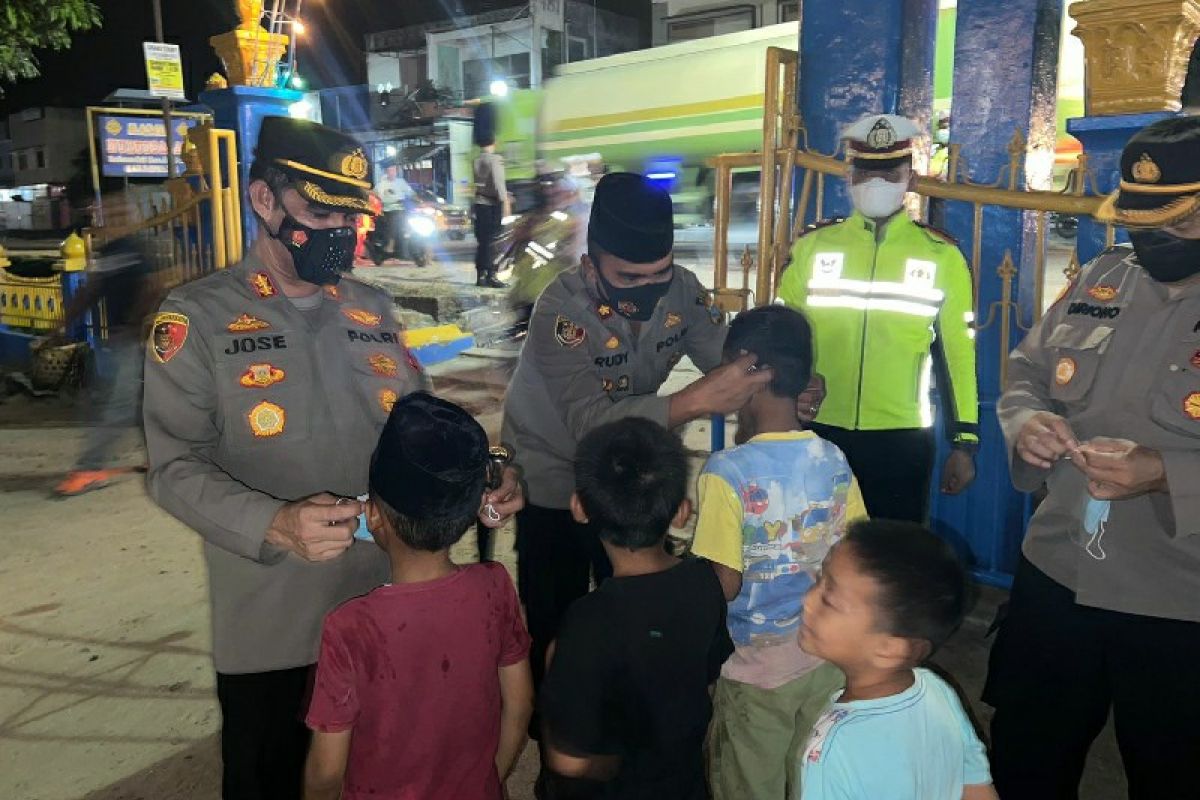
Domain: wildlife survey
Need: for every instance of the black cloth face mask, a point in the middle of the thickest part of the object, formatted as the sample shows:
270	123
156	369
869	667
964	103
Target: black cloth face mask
1167	258
636	303
320	255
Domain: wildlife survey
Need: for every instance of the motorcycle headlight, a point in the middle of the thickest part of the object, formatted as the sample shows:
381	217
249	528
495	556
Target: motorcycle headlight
421	225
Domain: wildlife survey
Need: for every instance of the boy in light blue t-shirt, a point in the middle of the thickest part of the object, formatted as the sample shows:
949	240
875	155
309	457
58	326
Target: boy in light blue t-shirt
889	594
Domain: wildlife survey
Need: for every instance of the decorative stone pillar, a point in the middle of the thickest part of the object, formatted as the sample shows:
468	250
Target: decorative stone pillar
1136	53
250	53
1136	61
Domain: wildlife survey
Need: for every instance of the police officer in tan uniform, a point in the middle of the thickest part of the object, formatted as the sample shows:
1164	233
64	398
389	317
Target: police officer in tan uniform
602	340
267	385
1102	408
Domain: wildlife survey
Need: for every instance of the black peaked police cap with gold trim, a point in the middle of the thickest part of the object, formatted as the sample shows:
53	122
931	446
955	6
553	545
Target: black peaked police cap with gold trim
327	167
1160	176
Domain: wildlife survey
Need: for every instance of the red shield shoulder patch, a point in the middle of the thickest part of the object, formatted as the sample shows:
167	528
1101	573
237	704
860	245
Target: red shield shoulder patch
167	336
567	333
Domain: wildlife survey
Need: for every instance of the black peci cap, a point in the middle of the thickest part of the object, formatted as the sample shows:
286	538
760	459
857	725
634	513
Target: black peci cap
632	218
327	167
1160	176
431	460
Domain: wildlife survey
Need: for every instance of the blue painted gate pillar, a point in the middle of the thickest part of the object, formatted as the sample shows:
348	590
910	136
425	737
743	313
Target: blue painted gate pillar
860	57
242	109
1005	70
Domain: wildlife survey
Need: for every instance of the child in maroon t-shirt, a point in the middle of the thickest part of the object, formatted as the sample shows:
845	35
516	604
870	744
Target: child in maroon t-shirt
423	687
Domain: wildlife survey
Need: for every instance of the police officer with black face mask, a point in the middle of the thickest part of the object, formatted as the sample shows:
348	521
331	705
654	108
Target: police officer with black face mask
267	385
1103	409
602	340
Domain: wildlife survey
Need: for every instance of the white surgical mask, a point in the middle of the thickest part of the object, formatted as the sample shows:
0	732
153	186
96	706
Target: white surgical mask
878	199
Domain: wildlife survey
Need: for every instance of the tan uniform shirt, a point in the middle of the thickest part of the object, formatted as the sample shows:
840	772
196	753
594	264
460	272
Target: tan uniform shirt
583	366
251	402
1118	356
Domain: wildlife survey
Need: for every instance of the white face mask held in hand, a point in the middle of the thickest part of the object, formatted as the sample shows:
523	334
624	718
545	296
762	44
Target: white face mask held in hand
878	199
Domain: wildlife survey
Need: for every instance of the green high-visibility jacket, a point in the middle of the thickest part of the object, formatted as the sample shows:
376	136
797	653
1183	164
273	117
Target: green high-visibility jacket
887	307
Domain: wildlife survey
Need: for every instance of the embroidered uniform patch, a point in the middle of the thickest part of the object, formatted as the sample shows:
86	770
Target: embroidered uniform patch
567	333
673	319
387	399
1196	359
168	334
246	323
1191	405
260	376
1103	292
613	343
1064	371
267	419
333	293
261	283
604	311
362	317
383	365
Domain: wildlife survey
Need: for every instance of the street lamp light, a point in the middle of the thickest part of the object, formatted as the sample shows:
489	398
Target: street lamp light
499	88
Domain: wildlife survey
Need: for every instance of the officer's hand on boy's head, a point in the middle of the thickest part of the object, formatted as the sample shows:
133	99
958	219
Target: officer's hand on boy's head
317	528
729	386
506	500
808	402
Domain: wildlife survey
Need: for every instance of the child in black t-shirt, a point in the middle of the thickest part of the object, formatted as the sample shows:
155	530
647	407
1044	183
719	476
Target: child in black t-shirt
625	701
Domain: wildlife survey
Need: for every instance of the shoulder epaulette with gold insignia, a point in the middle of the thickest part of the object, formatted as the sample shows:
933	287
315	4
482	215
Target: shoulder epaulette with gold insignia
825	223
937	232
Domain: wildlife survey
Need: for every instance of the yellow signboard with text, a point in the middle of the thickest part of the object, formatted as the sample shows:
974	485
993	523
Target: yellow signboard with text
164	70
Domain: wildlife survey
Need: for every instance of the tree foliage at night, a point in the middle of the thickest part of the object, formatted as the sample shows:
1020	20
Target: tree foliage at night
30	25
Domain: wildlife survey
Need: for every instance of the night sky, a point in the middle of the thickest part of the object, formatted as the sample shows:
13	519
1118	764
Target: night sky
111	56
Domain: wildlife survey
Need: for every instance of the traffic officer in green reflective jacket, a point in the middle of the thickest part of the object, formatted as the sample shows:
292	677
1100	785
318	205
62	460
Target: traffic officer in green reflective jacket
890	300
602	340
267	385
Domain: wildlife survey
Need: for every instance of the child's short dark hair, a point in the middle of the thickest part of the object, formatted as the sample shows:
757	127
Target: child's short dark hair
782	339
923	587
430	533
631	477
